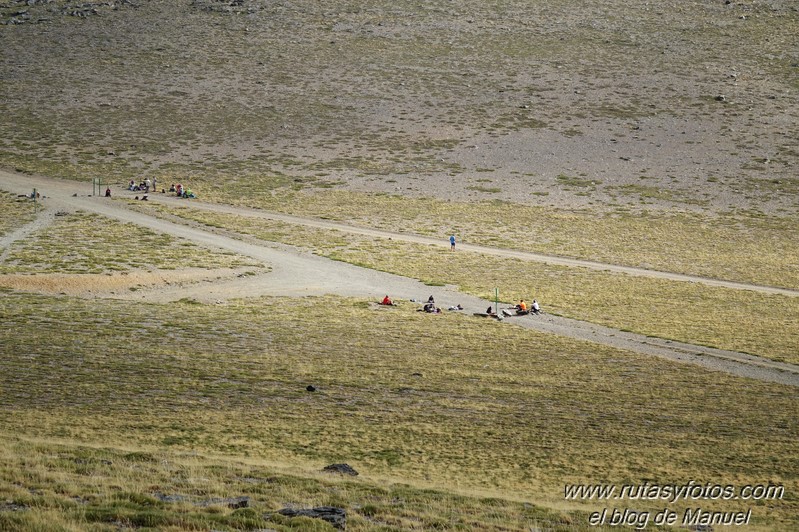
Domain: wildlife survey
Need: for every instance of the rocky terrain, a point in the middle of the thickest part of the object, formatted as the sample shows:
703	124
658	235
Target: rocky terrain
673	105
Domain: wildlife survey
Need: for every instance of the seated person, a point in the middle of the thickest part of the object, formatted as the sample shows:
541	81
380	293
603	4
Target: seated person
386	301
490	310
172	188
535	309
522	306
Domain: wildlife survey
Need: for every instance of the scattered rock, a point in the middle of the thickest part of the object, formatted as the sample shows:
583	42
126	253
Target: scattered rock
233	503
335	516
170	498
42	10
12	507
721	98
344	469
310	388
223	6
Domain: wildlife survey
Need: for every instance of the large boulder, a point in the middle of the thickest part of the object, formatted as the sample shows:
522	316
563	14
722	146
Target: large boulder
335	516
344	469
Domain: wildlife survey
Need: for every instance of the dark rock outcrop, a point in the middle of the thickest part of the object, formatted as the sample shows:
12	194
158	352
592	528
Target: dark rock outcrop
335	516
344	469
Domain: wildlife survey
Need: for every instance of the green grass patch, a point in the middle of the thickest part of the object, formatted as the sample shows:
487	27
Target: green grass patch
15	212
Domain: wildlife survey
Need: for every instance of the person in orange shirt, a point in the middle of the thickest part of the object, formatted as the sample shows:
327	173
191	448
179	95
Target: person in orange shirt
522	306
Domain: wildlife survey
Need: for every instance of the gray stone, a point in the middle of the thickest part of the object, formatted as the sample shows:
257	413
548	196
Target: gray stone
335	516
344	469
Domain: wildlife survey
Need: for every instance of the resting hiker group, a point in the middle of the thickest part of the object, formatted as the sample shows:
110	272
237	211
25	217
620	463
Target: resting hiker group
147	185
522	309
181	191
430	307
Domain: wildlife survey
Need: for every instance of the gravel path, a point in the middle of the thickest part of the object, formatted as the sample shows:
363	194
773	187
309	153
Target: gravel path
508	253
300	273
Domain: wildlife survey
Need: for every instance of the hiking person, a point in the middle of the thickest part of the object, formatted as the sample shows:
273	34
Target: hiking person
108	192
452	243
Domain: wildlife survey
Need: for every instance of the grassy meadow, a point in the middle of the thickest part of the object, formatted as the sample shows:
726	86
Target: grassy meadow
87	243
448	403
152	415
16	212
660	136
734	246
681	311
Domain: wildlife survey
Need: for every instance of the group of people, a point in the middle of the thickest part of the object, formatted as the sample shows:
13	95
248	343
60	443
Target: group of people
430	306
144	186
147	185
181	191
522	308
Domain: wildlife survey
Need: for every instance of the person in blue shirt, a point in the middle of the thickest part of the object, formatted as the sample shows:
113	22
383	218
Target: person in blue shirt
452	242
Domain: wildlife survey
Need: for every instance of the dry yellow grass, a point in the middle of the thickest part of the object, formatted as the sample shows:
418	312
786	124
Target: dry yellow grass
493	408
688	312
83	242
733	246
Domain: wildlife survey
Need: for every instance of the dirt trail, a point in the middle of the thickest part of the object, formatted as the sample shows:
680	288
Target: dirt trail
508	253
300	273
